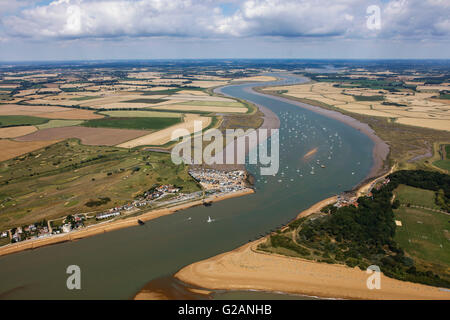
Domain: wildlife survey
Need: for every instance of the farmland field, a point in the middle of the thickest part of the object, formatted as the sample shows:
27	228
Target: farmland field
88	136
72	114
425	235
18	131
11	149
9	121
164	136
416	196
59	124
144	114
202	108
85	98
151	101
60	180
414	108
139	123
16	109
443	164
214	103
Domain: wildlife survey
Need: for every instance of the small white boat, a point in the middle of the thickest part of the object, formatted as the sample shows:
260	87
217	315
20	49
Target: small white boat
209	219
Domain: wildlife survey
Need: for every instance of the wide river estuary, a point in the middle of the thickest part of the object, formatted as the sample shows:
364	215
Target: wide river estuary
117	264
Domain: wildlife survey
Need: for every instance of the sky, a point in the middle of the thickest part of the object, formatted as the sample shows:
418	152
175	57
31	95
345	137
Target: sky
180	29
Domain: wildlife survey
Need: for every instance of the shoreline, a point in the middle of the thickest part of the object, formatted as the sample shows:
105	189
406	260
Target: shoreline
113	225
248	269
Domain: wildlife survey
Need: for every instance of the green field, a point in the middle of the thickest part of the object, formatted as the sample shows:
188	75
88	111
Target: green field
368	98
59	124
415	196
424	234
443	164
161	92
10	121
142	114
151	101
133	123
60	179
85	98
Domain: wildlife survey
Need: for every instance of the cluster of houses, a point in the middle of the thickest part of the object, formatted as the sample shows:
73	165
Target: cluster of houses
153	194
218	179
158	192
346	199
28	232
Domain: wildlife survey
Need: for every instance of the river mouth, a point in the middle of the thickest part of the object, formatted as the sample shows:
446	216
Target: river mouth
118	264
170	287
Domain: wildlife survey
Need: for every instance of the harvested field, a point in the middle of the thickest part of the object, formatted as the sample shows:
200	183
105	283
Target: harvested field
256	78
145	114
197	97
164	136
14	132
11	149
214	103
15	109
407	107
48	112
193	92
88	136
72	114
436	124
59	124
206	84
183	107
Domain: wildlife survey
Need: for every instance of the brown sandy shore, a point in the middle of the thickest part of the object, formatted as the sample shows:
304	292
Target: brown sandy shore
113	225
246	268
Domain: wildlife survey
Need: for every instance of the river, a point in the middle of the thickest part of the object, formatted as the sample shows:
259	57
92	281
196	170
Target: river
117	264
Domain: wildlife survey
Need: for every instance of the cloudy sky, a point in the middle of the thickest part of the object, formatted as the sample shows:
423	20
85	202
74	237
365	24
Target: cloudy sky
157	29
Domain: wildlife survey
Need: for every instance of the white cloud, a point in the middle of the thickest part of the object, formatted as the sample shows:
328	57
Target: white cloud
411	19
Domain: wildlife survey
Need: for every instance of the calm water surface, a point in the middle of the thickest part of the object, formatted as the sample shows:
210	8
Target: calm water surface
116	265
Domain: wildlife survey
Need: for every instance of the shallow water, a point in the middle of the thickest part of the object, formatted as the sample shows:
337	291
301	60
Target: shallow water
116	265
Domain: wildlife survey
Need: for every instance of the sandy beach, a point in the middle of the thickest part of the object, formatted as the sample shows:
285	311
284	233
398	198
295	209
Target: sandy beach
247	269
113	225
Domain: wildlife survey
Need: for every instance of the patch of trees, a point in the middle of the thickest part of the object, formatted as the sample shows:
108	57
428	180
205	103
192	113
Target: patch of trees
98	202
364	235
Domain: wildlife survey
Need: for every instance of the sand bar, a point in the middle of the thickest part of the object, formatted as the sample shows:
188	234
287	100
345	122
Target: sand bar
247	269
